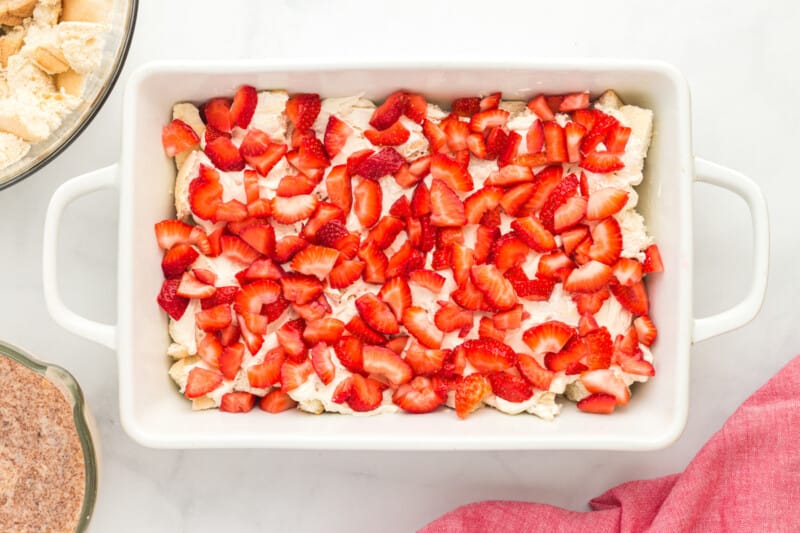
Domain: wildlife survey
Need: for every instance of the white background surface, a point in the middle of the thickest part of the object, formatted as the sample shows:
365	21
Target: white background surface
741	62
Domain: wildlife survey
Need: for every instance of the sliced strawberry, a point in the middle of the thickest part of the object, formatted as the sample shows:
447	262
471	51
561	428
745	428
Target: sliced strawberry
605	381
510	149
548	337
424	361
375	263
394	135
380	360
513	199
574	101
457	133
480	202
259	208
536	374
177	137
313	310
349	352
490	101
232	211
254	296
191	287
562	193
253	341
530	231
397	295
601	162
223	295
590	277
455	176
345	273
170	233
377	314
385	231
322	363
584	185
420	204
497	289
586	117
368	199
217	112
546	180
534	138
485	239
230	360
483	120
260	152
645	329
571	238
462	260
428	279
470	393
510	387
554	266
215	318
488	355
510	319
302	110
607	246
451	317
418	396
224	154
276	401
290	338
315	261
466	106
365	393
336	135
600	404
416	321
590	302
605	202
311	154
205	194
627	271
293	209
209	348
632	298
201	381
574	133
287	246
555	142
244	105
169	300
416	107
397	344
599	348
652	260
389	111
477	146
446	208
537	290
437	139
338	186
571	353
293	185
294	374
617	138
539	106
237	250
496	141
508	251
640	367
177	259
510	175
260	237
487	330
300	289
400	208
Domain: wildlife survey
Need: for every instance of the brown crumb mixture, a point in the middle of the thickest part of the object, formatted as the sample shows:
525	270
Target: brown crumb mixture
41	461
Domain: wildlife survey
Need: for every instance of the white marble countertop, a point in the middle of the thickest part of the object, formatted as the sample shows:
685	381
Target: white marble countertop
740	59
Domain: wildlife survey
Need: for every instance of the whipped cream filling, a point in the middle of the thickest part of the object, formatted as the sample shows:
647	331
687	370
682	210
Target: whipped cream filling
314	396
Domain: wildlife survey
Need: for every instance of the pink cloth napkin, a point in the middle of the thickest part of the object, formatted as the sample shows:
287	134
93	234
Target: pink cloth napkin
746	478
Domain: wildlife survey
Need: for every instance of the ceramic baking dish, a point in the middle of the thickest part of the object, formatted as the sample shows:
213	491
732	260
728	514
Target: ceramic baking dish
155	414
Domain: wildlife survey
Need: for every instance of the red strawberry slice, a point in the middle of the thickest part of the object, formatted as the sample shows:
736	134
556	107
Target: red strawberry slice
223	295
405	178
574	101
315	261
457	133
509	151
587	324
252	340
380	360
397	295
416	107
539	106
212	133
534	138
365	393
345	273
509	387
290	338
607	245
224	154
177	137
424	361
605	202
451	317
483	200
532	160
599	404
546	180
294	374
260	237
254	296
293	185
601	162
555	142
574	133
336	134
571	353
470	393
633	365
547	337
368	198
173	232
586	117
509	251
428	279
571	238
420	204
455	176
590	302
590	277
511	175
256	324
276	401
313	310
300	289
303	110
496	141
565	189
214	318
209	348
534	234
628	271
477	146
484	120
487	330
485	238
606	382
513	199
191	287
537	290
466	106
377	314
420	167
394	135
510	319
376	264
400	208
538	376
338	186
230	360
397	344
385	231
230	335
462	260
617	138
201	381
311	154
169	300
260	152
645	330
569	214
389	111
177	259
287	247
237	250
652	260
323	214
437	139
597	133
244	105
232	211
349	351
490	101
488	355
416	321
217	112
497	289
322	362
599	348
205	194
446	208
288	210
418	396
554	266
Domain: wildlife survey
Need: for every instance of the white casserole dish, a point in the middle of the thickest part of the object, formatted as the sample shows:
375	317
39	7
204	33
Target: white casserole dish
155	414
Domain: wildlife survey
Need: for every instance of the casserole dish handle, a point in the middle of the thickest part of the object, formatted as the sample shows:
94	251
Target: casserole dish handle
104	334
741	313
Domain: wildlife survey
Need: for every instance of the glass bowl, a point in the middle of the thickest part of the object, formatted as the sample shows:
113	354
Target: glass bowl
122	20
82	417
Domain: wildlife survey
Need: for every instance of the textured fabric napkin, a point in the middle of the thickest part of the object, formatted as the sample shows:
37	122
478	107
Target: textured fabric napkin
746	478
